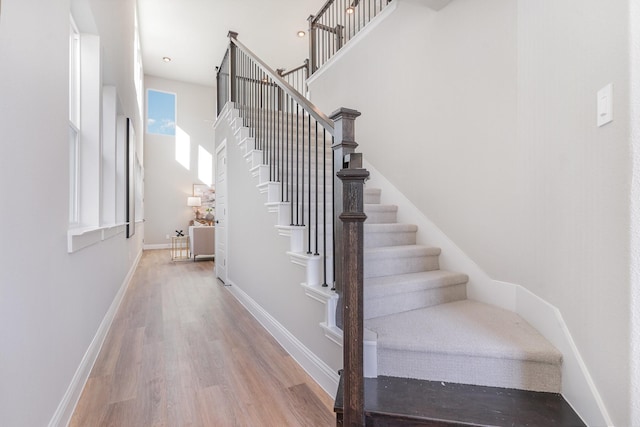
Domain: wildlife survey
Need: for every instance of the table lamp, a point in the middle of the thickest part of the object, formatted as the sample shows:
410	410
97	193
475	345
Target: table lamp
195	203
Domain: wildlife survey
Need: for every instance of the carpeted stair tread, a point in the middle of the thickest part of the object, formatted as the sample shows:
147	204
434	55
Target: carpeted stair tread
412	282
464	327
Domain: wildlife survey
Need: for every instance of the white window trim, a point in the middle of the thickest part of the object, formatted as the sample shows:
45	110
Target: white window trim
74	123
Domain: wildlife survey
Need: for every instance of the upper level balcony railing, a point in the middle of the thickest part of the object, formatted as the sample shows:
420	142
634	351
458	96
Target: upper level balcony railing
337	22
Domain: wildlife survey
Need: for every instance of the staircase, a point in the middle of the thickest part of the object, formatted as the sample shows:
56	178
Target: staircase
427	329
433	346
442	359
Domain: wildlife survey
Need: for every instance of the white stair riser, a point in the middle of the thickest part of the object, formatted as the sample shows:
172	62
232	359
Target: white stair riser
372	196
390	304
399	265
494	372
381	217
389	238
262	173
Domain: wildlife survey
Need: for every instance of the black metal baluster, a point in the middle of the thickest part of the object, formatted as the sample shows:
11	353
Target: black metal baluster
293	177
272	131
245	95
247	62
325	39
261	112
362	17
309	182
239	84
332	39
267	160
259	107
280	146
265	111
316	225
302	193
278	129
255	105
286	155
333	215
297	164
324	205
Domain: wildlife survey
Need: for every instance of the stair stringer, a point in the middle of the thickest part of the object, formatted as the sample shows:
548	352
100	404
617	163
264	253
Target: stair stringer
578	387
313	264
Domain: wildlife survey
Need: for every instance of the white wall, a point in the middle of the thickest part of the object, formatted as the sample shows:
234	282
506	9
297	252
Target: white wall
257	263
167	182
576	186
483	115
635	211
51	302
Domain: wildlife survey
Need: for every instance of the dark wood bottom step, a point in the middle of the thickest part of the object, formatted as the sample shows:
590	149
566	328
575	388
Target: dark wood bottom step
391	401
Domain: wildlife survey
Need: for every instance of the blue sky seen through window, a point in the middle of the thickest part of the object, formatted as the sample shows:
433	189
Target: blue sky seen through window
161	112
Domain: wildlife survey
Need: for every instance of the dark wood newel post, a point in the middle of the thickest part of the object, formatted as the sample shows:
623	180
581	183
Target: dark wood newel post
348	257
353	218
312	45
343	144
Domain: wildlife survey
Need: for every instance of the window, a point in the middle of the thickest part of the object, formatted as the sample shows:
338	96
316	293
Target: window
74	119
161	112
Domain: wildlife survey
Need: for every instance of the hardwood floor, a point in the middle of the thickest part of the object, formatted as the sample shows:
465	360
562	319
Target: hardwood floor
183	352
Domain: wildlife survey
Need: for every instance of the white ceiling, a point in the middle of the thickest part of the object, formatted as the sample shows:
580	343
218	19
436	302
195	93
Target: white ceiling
194	34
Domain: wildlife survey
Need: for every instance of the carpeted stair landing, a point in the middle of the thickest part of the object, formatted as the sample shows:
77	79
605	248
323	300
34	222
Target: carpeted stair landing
466	342
427	328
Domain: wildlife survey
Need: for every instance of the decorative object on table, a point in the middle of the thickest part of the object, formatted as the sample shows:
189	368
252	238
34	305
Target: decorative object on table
209	214
179	233
207	195
195	203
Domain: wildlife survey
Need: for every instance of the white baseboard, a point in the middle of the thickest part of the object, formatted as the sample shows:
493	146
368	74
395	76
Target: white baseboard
157	246
62	416
578	387
322	373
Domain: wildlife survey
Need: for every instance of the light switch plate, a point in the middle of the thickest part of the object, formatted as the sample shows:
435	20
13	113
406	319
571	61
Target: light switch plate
605	105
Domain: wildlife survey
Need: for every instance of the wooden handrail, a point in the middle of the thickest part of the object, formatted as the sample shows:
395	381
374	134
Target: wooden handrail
284	73
313	111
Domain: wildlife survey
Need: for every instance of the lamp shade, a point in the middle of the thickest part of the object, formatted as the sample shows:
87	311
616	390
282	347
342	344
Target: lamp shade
194	201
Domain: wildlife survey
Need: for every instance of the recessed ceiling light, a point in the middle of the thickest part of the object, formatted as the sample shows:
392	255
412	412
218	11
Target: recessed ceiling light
166	59
350	10
301	33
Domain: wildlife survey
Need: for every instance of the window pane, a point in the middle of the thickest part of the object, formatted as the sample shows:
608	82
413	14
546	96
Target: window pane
161	112
74	74
73	175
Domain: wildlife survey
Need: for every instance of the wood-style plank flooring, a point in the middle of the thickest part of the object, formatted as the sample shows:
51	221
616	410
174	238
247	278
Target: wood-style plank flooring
183	352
